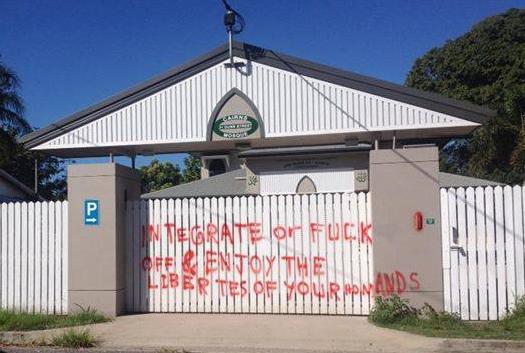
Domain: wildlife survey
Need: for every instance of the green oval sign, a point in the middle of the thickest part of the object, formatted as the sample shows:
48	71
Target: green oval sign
235	126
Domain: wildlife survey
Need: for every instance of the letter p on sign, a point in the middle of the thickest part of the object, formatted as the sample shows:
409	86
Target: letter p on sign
91	212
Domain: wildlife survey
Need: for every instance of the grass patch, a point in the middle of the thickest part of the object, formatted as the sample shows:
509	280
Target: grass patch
73	338
14	321
396	313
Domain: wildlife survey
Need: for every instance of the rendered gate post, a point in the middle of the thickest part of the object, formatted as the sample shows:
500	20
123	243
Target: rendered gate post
404	187
97	195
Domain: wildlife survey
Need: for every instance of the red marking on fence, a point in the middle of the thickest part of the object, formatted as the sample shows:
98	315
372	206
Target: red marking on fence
252	232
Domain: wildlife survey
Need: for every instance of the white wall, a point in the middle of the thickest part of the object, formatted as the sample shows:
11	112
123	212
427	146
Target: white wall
340	180
329	172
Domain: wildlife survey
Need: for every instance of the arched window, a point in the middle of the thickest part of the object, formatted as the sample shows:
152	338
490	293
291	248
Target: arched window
305	186
216	167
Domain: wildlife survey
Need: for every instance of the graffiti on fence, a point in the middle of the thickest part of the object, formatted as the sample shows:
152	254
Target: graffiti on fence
210	255
212	233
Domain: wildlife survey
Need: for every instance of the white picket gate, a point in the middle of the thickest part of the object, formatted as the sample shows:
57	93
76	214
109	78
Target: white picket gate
483	251
33	260
257	254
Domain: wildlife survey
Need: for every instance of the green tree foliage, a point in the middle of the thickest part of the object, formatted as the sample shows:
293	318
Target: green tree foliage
485	66
11	105
159	175
14	158
192	169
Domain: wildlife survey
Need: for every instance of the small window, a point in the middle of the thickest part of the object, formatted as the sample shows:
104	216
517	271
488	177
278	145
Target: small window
216	167
306	186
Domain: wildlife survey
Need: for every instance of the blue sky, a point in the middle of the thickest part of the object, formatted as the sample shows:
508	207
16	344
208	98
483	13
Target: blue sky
72	53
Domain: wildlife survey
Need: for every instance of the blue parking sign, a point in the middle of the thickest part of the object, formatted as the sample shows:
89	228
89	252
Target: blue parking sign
91	212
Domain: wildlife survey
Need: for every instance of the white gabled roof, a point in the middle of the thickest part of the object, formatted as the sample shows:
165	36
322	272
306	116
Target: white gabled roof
299	102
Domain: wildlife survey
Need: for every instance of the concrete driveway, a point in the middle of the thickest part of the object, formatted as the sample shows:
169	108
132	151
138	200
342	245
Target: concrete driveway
236	333
254	333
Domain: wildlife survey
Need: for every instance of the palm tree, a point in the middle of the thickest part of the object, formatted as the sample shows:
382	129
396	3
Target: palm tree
11	105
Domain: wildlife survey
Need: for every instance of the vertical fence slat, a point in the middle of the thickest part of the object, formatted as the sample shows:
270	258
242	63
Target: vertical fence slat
455	253
289	251
355	247
363	254
481	253
321	253
267	249
5	257
65	259
445	243
471	255
491	253
500	251
17	258
216	247
463	259
24	258
347	231
244	249
330	255
225	208
31	257
178	255
45	257
339	222
130	265
51	259
259	251
58	257
510	264
519	240
165	269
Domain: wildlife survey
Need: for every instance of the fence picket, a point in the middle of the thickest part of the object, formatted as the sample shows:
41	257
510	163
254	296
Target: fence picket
481	253
491	253
5	256
471	255
510	264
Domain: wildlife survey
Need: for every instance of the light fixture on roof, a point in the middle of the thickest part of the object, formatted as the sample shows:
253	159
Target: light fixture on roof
235	24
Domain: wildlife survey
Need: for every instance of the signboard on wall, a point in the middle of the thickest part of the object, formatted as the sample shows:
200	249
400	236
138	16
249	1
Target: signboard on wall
235	118
235	126
91	212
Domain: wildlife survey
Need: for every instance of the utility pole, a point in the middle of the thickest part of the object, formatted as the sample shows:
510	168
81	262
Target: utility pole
36	175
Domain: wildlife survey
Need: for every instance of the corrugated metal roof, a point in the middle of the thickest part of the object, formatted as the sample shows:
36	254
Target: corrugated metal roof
448	180
228	184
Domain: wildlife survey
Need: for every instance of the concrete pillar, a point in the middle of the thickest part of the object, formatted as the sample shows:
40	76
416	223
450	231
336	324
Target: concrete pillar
403	182
97	252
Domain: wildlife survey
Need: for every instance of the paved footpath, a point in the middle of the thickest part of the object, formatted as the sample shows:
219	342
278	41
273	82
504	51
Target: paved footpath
216	333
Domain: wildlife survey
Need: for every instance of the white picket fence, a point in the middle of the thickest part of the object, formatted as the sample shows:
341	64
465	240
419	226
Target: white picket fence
175	263
483	251
286	254
33	262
